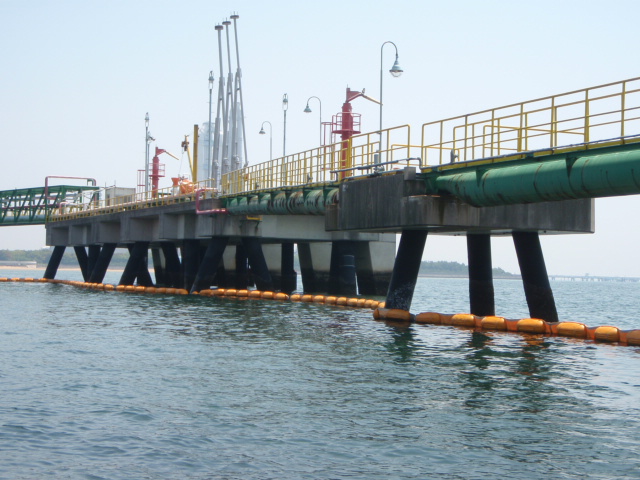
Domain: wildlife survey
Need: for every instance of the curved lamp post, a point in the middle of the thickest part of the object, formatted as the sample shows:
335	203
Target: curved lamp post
308	110
395	71
262	132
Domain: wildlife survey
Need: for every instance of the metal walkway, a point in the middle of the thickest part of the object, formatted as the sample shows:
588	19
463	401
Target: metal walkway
33	206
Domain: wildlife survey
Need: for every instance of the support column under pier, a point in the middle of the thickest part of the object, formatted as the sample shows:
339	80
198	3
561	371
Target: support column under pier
288	275
364	270
209	263
242	270
309	281
102	263
172	264
83	262
258	264
190	262
54	262
405	269
136	264
159	266
481	294
342	274
94	253
537	289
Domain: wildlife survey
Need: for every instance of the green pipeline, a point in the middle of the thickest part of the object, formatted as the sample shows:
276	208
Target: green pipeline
299	202
561	177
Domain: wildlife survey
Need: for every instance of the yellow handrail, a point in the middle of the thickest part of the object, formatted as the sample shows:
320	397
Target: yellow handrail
594	114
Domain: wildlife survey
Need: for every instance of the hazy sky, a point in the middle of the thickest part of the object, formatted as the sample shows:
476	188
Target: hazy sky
78	77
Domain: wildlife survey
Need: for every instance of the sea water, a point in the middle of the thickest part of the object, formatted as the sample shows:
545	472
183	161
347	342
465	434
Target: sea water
104	385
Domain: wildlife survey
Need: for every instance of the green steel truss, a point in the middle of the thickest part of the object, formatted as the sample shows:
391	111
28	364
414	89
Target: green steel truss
33	206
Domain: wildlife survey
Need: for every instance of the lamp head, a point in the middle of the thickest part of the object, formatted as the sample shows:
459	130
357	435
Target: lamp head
210	79
262	132
146	120
307	109
396	70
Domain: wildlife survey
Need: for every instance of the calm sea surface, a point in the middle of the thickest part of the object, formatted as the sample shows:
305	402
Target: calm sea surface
99	385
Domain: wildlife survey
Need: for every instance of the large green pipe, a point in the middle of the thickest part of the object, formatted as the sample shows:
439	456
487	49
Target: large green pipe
562	177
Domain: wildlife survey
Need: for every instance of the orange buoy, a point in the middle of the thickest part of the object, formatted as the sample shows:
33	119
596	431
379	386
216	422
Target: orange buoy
531	325
445	319
571	329
330	300
318	299
267	295
392	314
109	287
463	320
430	318
120	288
606	334
632	337
352	302
307	298
242	293
207	292
129	288
170	291
4	279
230	292
255	294
341	301
493	323
161	290
218	292
361	302
296	297
369	302
182	291
140	289
281	296
382	304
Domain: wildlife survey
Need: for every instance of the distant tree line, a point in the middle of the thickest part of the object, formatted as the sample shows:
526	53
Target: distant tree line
41	257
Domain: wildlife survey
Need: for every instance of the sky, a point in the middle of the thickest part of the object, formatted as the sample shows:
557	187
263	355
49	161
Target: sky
78	76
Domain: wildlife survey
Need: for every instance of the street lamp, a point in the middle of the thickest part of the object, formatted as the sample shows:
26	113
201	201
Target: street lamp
285	107
210	130
262	132
395	71
308	110
147	141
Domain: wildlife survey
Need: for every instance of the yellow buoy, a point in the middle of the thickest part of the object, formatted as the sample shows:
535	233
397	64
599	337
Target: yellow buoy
392	314
571	329
463	320
606	334
531	325
493	323
431	318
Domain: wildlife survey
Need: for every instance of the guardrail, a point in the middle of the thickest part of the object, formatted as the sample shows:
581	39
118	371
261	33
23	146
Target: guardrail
323	165
610	111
